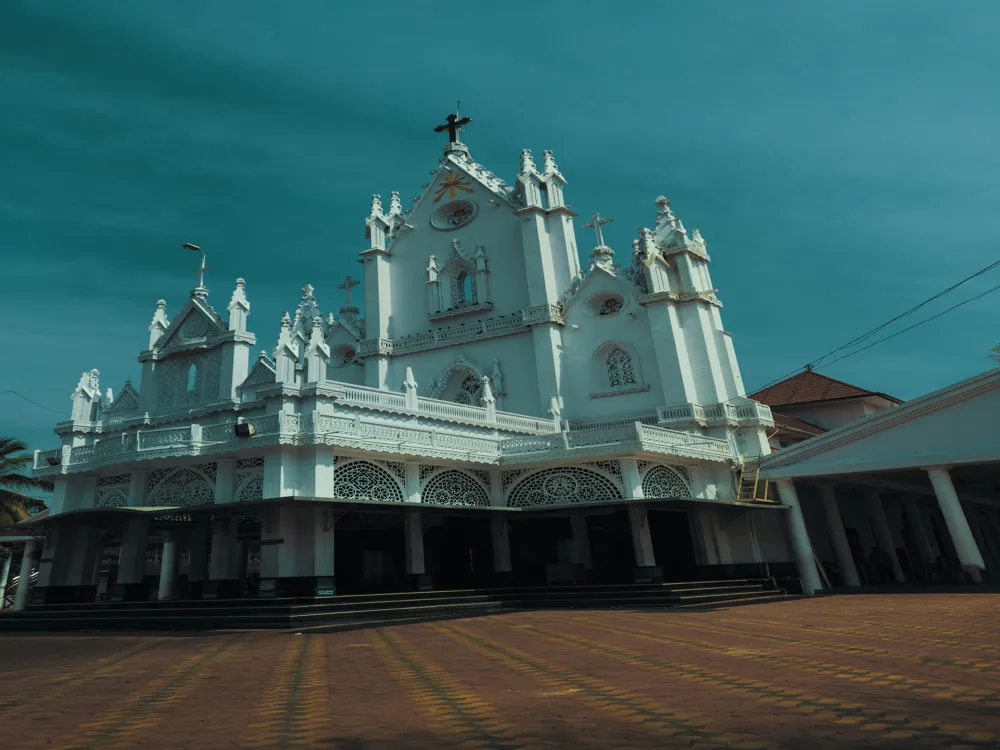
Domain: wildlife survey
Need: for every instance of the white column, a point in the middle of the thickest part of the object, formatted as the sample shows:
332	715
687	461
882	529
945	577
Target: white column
24	581
198	552
642	542
168	569
805	560
496	488
581	541
225	480
631	478
958	526
137	487
412	481
413	526
223	560
4	574
838	537
324	569
914	515
883	534
132	555
501	544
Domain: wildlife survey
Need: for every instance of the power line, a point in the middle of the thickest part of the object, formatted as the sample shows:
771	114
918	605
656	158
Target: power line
35	403
869	334
910	328
913	309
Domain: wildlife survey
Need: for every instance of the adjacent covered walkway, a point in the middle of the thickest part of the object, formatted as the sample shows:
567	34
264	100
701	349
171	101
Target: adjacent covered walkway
910	494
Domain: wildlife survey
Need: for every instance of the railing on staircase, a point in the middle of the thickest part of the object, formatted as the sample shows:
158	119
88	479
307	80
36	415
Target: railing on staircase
751	488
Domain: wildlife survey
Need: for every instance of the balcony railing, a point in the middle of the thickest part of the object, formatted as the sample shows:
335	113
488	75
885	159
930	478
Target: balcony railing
742	412
629	438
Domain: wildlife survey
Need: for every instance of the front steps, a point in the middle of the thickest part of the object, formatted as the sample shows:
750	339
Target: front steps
372	610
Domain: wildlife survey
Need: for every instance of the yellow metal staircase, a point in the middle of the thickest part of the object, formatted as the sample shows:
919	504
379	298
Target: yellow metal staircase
751	488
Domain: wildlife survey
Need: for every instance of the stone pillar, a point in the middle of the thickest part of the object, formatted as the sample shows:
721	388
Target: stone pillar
168	569
324	537
4	575
631	478
131	561
958	526
286	551
805	559
501	545
24	580
883	534
646	570
413	529
838	537
223	559
137	487
198	552
412	469
915	517
581	541
225	480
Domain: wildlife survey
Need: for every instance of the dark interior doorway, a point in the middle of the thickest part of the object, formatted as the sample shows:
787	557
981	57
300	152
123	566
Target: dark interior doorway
369	554
458	553
673	544
611	548
534	544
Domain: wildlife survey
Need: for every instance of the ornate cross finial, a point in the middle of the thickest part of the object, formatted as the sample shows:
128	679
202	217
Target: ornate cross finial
200	290
596	223
348	284
453	125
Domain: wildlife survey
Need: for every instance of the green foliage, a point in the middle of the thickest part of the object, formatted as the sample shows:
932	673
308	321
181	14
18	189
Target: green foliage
15	483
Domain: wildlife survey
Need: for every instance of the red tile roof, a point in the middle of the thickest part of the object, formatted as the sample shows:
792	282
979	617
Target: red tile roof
809	387
796	425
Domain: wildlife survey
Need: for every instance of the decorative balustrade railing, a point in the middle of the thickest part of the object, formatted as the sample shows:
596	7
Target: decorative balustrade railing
602	424
372	398
521	423
746	412
676	440
631	437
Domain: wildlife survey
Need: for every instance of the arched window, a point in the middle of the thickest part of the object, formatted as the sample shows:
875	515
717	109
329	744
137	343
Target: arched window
470	391
463	288
620	370
192	378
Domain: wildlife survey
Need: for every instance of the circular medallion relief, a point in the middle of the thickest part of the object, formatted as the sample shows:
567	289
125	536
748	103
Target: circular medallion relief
454	215
605	303
342	356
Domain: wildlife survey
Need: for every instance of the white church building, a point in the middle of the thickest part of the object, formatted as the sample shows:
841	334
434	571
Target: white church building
498	414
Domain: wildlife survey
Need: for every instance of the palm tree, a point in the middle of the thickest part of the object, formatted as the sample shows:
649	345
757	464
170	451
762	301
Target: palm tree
15	505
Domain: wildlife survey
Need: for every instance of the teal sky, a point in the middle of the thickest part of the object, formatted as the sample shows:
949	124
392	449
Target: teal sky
840	159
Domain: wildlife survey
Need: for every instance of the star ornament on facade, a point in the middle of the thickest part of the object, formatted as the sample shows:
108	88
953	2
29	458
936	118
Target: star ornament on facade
451	184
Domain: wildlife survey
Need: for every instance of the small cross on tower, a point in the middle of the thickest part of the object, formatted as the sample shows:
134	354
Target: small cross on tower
453	125
200	290
347	286
596	223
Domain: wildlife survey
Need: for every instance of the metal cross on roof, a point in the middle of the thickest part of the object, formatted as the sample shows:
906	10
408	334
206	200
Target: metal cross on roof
596	224
346	286
201	269
453	125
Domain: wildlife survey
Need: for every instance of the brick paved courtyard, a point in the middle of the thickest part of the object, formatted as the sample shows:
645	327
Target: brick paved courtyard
898	671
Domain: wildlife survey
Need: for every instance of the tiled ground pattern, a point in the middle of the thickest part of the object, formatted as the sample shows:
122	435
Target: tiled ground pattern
894	671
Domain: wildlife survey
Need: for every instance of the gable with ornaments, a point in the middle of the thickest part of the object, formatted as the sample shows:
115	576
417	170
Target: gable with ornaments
196	358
